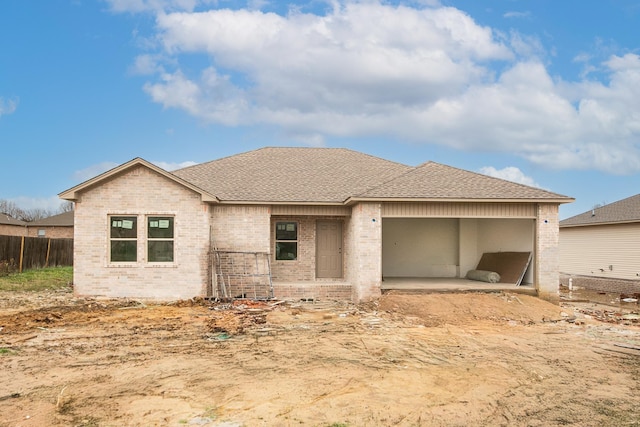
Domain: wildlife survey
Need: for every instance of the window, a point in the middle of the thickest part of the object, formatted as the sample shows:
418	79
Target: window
41	232
124	238
160	239
286	240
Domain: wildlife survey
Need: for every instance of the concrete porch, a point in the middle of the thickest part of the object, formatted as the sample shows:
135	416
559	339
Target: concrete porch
446	284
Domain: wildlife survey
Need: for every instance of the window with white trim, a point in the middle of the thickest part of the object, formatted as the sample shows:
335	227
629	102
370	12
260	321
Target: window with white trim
160	239
286	241
123	238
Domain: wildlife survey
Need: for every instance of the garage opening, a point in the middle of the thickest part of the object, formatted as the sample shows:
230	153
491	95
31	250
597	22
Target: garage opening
433	248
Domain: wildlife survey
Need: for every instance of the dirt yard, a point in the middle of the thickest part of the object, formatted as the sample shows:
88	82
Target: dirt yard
407	360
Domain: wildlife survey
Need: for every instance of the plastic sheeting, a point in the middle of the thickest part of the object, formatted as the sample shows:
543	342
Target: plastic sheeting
483	276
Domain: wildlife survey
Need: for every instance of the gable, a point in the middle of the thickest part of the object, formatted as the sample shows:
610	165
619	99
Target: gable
136	165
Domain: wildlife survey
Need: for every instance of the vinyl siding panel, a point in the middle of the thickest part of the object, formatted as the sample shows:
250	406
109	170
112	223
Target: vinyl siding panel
611	251
310	210
459	210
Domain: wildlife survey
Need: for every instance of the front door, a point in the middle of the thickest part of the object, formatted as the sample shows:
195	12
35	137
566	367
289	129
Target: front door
329	249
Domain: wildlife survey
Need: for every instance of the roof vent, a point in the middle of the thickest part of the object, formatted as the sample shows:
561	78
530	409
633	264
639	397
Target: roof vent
593	212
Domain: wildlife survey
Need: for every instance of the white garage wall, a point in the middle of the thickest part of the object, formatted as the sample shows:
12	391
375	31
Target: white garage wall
414	247
500	235
449	247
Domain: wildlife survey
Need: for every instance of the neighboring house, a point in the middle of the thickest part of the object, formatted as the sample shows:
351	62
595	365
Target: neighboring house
326	223
10	226
600	248
55	227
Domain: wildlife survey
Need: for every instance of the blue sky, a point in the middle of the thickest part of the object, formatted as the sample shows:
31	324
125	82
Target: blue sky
545	93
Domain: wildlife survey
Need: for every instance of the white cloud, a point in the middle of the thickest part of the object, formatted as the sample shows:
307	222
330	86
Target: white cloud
510	173
7	106
515	14
146	65
430	75
136	6
51	203
171	166
93	171
257	4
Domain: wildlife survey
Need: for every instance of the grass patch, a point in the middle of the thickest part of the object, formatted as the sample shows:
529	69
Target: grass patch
4	351
51	278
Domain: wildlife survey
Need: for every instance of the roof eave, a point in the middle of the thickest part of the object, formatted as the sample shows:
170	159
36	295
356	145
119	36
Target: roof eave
279	202
352	200
72	193
630	221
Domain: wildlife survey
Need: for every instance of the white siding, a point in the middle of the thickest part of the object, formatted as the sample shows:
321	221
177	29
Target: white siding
611	251
459	210
310	210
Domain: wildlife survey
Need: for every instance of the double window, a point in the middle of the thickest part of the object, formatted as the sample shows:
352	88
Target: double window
286	241
124	238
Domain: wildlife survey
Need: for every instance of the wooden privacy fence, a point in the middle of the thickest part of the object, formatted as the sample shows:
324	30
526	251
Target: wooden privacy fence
36	252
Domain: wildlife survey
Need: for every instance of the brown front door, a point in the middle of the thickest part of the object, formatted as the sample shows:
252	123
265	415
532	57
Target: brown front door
329	249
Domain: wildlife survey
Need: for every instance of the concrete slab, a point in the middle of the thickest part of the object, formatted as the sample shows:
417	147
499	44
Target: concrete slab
446	284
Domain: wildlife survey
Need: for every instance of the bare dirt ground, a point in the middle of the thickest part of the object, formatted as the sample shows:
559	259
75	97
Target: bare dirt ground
407	360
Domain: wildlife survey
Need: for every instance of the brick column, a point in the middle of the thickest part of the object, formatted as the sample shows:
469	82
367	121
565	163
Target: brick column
546	276
366	251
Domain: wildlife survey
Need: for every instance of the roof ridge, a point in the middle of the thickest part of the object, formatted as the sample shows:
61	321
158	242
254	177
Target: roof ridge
412	168
275	147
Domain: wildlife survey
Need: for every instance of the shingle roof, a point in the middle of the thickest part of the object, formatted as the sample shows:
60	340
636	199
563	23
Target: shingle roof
625	210
296	175
9	220
328	176
437	181
64	219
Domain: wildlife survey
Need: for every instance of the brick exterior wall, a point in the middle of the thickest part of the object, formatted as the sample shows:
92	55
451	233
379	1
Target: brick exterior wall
296	279
364	251
313	291
241	228
241	236
12	230
546	261
141	192
603	284
303	268
51	232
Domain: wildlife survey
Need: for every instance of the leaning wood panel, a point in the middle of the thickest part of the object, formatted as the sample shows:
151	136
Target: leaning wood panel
511	266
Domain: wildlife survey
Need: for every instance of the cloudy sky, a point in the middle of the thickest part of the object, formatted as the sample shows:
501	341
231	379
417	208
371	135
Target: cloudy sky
546	93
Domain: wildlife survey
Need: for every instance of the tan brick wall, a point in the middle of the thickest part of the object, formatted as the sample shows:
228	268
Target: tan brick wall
364	251
546	276
141	192
303	269
313	291
241	228
12	230
52	232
